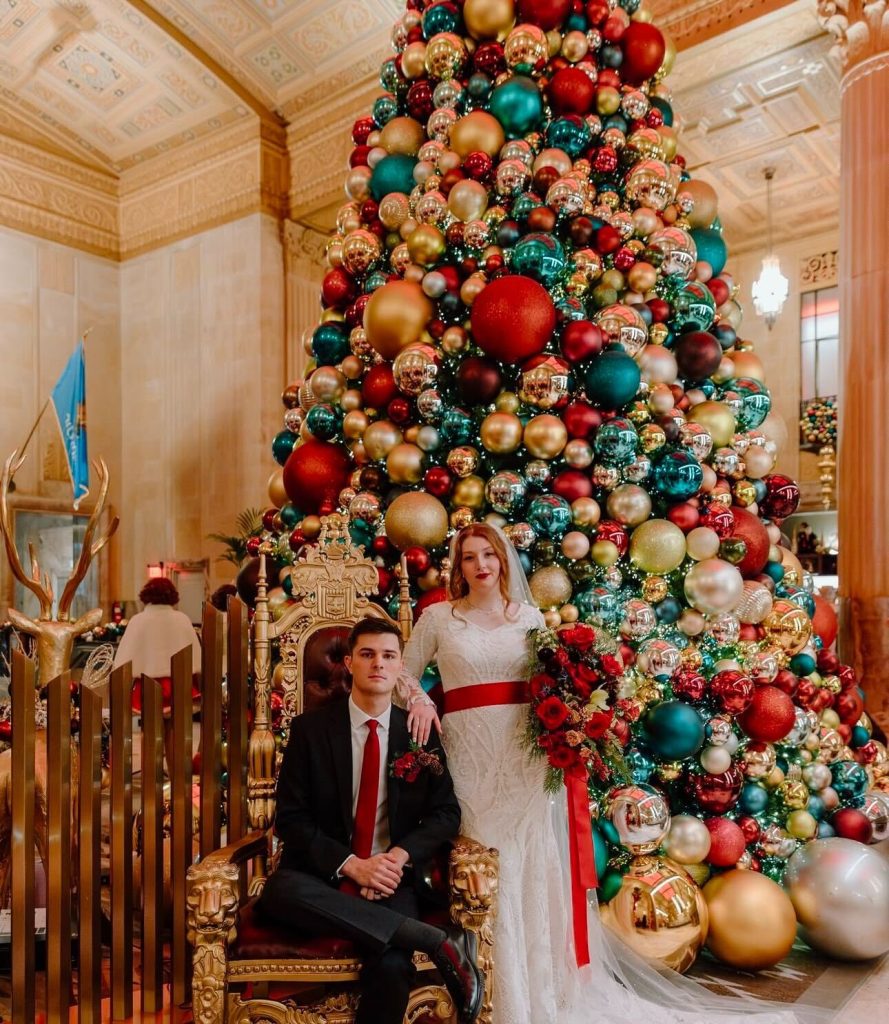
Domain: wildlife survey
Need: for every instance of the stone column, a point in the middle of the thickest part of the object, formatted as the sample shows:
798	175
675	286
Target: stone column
304	250
861	28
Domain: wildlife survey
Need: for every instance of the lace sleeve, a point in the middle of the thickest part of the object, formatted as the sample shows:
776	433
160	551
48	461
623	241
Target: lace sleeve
422	646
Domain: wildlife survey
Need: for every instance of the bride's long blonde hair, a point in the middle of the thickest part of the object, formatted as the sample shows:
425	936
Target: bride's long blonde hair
458	585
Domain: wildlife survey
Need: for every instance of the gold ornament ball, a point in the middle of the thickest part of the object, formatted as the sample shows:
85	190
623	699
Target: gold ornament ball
752	921
507	401
468	200
355	422
688	841
702	542
277	492
327	383
550	586
654	589
311	526
718	419
488	19
545	436
793	568
461	518
416	518
706	203
477	132
405	464
604	552
413	61
569	613
748	364
787	626
380	438
659	912
552	619
402	135
426	245
501	432
657	546
585	511
575	545
630	504
396	317
469	492
642	277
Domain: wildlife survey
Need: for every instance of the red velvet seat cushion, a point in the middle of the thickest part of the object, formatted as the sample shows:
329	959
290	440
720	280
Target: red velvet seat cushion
261	939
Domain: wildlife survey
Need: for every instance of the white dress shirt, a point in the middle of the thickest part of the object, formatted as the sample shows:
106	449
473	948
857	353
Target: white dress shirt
360	732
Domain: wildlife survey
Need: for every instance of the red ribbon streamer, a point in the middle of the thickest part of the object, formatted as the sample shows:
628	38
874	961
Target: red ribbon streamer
583	863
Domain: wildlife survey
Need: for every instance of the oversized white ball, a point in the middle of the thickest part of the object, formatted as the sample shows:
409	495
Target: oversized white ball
716	760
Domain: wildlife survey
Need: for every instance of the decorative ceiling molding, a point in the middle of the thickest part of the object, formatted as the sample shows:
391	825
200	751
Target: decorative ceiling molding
690	22
860	27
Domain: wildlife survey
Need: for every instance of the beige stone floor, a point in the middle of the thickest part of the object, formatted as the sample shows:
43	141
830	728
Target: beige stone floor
870	1004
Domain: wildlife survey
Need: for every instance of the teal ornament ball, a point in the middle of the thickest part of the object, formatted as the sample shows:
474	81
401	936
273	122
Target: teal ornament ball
677	475
612	379
282	445
517	105
570	133
754	798
640	765
600	851
384	109
755	402
694	308
616	442
599	605
394	173
456	428
539	256
610	884
290	515
330	343
323	422
672	730
441	18
711	248
550	516
665	108
849	779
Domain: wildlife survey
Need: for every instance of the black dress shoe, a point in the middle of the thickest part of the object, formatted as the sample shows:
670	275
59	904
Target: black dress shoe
456	960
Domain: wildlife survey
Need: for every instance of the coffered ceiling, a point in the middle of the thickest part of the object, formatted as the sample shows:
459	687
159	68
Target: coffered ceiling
115	83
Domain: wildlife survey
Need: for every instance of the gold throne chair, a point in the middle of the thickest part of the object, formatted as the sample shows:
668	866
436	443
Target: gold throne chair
247	970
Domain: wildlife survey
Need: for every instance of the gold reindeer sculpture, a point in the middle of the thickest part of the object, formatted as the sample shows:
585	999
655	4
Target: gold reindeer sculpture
55	636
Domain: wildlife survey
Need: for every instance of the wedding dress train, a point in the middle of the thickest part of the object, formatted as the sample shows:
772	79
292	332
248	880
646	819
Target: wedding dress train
505	805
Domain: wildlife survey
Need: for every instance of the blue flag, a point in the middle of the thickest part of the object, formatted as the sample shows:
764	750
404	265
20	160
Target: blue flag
69	402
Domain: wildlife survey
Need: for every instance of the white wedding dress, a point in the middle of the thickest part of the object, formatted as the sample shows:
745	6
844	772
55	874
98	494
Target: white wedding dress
504	805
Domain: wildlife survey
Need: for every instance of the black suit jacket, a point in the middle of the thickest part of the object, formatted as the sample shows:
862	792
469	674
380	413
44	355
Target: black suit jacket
313	816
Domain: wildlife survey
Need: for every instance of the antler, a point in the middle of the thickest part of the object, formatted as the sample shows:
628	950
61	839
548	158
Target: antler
11	467
90	548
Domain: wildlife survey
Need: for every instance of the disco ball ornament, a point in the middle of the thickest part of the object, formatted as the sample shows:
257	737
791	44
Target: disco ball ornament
840	890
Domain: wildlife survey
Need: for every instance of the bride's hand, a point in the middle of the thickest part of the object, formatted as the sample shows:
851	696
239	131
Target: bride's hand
420	719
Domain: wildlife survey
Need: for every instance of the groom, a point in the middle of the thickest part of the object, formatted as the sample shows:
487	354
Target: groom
354	836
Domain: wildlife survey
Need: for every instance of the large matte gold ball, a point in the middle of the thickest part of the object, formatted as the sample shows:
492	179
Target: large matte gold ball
706	202
469	492
752	921
550	586
396	316
405	464
545	436
488	19
659	912
630	504
718	418
657	546
416	518
426	245
477	132
277	492
380	438
501	432
468	200
402	135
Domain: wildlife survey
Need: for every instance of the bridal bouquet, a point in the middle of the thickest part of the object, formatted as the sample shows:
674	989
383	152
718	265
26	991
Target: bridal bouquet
575	690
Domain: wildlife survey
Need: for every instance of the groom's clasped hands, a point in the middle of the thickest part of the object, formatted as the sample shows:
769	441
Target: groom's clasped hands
378	876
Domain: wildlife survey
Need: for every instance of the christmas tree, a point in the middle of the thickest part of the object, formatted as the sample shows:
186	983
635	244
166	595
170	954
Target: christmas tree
526	317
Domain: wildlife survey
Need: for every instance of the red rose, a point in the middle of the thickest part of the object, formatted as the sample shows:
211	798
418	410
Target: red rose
552	712
563	757
537	684
598	724
580	637
584	678
612	664
561	658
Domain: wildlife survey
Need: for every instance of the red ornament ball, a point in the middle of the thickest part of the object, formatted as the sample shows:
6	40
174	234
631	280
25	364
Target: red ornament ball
698	354
770	715
644	48
315	473
782	497
719	290
727	842
547	14
849	705
513	318
731	691
716	794
478	380
752	531
581	340
689	686
581	420
571	91
418	560
684	515
437	481
378	387
430	597
824	622
851	824
571	484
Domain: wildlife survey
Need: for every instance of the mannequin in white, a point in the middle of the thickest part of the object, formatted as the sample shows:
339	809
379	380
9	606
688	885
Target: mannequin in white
478	639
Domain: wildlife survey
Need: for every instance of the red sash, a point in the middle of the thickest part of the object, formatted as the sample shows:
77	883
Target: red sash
580	832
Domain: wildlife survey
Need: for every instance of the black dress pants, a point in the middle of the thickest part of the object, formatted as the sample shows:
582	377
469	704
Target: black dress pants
311	906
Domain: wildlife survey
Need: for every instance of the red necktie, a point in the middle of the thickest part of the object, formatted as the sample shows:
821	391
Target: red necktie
368	799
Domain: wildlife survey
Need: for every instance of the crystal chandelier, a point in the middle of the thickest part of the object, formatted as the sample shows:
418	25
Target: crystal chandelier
770	289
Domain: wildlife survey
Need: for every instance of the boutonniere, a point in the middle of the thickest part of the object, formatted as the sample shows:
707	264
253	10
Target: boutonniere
408	766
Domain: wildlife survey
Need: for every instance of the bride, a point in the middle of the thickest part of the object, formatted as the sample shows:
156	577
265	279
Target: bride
478	639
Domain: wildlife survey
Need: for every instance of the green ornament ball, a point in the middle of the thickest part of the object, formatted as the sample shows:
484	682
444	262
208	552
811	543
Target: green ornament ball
330	343
610	884
550	516
612	379
672	730
755	404
282	445
539	256
711	248
517	105
677	475
394	173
